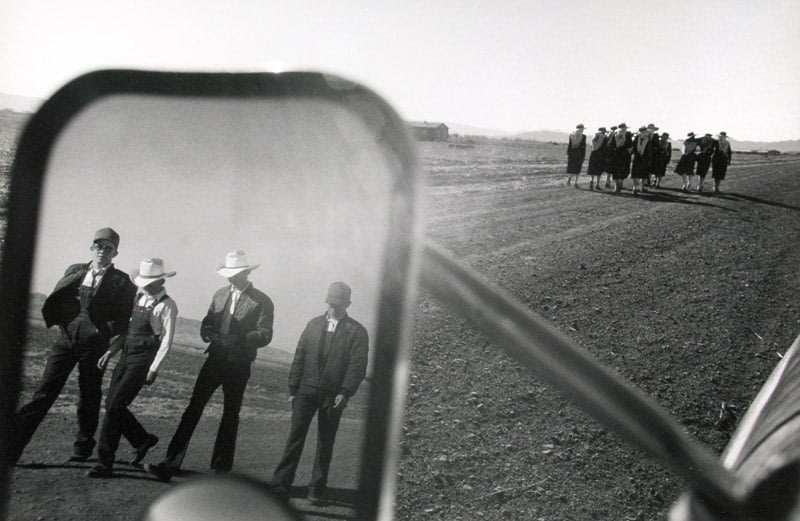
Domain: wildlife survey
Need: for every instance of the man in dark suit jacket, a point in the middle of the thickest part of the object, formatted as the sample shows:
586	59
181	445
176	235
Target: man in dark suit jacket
329	364
238	322
91	304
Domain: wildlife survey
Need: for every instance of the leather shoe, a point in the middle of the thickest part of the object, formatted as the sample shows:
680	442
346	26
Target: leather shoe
79	458
100	471
314	498
159	471
141	450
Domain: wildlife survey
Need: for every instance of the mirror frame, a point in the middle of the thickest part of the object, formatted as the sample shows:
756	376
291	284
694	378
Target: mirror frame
392	338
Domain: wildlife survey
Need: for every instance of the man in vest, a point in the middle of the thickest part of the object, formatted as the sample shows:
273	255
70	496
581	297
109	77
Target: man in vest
147	342
329	364
91	304
238	322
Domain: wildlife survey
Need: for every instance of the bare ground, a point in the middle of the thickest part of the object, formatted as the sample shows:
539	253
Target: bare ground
691	297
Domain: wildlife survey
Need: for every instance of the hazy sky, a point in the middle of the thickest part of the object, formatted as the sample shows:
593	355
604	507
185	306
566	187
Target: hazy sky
506	64
301	186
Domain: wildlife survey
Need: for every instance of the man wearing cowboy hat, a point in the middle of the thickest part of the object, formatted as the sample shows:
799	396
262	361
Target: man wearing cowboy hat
91	304
238	322
146	343
329	364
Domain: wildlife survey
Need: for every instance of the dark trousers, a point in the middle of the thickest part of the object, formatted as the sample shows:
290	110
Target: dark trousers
127	380
232	376
61	360
304	407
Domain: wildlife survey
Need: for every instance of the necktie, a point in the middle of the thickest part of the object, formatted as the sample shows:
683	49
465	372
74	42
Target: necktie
226	318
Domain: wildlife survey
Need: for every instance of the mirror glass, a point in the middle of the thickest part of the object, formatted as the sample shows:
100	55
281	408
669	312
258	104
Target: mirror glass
300	184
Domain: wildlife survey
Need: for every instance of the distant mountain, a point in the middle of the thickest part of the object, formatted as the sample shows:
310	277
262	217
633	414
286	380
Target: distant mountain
19	103
187	333
467	130
546	136
792	145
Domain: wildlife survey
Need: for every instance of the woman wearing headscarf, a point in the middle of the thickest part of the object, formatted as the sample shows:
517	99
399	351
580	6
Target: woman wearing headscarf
597	158
576	152
720	160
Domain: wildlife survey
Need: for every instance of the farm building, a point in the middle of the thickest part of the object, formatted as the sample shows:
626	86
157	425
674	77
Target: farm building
429	131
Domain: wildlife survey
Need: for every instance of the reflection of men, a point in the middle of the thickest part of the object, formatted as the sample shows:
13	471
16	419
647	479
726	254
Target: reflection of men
238	322
90	304
329	364
147	342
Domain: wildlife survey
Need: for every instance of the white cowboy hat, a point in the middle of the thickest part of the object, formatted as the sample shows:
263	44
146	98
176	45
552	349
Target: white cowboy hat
151	270
235	262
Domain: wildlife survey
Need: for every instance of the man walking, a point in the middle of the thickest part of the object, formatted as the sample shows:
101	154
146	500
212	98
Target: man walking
91	304
329	364
238	322
147	342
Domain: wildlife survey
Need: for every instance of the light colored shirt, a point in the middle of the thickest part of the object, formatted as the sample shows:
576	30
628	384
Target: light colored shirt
332	323
93	277
236	294
162	319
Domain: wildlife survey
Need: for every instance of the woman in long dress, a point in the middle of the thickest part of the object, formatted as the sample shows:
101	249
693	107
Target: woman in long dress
663	157
576	152
642	159
685	166
621	158
720	160
597	158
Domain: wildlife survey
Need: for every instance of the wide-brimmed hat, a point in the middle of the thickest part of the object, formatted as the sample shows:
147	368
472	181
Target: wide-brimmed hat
642	129
151	270
107	234
338	293
690	134
235	262
580	126
652	126
622	125
601	129
665	134
723	134
614	127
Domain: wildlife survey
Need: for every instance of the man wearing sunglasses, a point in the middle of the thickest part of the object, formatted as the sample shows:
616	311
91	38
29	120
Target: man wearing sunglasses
91	305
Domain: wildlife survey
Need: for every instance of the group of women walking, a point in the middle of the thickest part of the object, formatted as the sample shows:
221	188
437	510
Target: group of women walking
644	156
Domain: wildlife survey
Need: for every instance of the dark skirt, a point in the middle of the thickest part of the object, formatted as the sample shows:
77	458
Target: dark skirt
621	164
685	165
703	162
597	162
640	167
661	168
574	163
719	169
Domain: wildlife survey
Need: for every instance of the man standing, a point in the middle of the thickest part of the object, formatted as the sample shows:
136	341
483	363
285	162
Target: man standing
91	304
147	342
238	322
329	364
